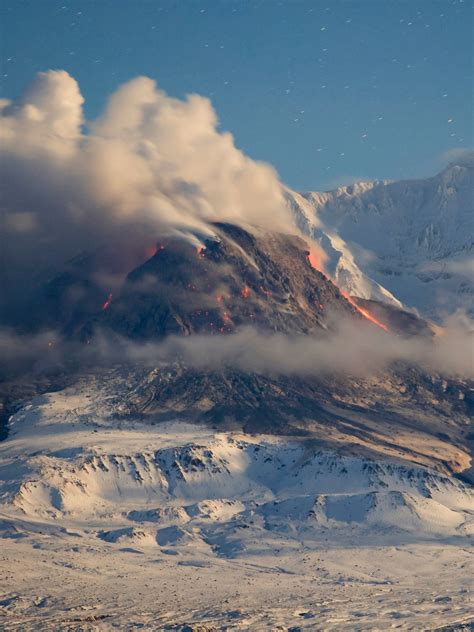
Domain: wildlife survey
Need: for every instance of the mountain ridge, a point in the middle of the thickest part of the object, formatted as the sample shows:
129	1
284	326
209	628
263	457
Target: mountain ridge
403	242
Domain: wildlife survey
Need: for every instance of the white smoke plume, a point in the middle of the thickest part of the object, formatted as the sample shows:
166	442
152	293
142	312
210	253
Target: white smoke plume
150	165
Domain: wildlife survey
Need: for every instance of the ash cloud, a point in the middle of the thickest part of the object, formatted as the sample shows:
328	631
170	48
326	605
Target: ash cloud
149	166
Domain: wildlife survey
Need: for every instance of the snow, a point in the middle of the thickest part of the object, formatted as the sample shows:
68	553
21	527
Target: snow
341	263
408	241
113	525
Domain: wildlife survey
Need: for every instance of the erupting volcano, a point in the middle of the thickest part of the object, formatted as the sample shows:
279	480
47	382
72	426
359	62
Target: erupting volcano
237	278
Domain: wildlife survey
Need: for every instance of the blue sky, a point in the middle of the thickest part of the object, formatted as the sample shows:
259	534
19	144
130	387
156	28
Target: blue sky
325	91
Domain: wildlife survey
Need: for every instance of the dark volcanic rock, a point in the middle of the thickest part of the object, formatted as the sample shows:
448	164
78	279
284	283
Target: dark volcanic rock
238	277
235	279
372	413
397	320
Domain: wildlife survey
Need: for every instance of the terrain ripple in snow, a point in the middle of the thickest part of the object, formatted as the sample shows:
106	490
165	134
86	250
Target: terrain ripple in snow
203	491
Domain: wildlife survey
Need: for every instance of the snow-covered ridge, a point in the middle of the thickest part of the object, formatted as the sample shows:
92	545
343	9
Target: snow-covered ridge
161	526
341	263
410	239
204	484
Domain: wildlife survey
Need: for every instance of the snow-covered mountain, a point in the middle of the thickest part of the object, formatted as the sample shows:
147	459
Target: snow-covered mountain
156	495
408	241
182	474
177	526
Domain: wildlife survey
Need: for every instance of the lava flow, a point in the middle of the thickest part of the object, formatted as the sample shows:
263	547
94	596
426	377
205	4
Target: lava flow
316	261
364	312
151	252
318	264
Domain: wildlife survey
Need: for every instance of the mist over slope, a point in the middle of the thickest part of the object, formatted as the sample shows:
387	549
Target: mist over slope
198	266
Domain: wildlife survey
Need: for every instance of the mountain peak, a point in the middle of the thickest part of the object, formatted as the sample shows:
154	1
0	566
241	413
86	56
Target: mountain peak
237	278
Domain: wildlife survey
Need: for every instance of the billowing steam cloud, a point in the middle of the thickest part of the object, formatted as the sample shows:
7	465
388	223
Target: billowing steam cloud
150	165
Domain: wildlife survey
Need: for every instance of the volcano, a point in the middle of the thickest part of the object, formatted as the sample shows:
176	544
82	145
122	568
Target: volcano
235	278
241	277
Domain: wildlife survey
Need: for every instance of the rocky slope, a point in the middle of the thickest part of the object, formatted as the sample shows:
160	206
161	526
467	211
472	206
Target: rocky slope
212	286
239	277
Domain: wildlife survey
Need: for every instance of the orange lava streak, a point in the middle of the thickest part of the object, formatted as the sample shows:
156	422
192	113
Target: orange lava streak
106	305
151	252
317	258
364	312
317	262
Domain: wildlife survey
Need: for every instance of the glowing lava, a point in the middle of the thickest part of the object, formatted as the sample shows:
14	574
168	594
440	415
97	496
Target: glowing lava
364	312
151	251
106	305
317	259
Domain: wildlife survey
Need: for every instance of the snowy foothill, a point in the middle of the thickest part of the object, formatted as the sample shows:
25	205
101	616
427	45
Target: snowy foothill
107	524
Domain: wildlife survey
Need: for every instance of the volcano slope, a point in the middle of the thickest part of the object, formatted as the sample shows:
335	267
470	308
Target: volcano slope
212	287
209	285
163	493
241	278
